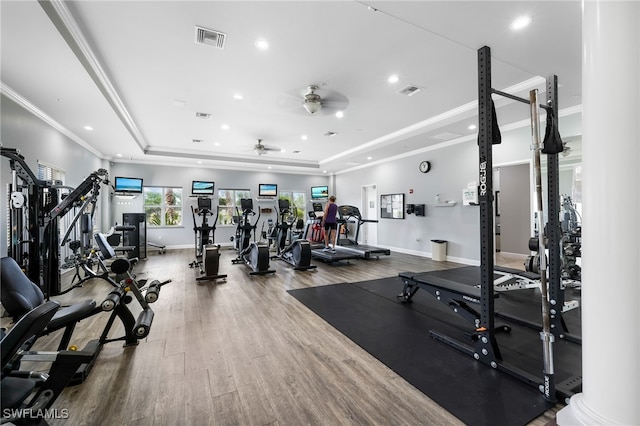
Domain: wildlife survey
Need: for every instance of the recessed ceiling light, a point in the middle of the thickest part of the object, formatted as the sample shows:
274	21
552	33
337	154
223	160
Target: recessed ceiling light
339	114
393	78
88	128
238	96
520	22
369	158
303	137
225	127
324	171
472	127
216	143
269	167
262	44
199	162
282	150
119	155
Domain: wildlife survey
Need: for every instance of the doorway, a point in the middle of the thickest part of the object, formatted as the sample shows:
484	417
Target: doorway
512	214
369	210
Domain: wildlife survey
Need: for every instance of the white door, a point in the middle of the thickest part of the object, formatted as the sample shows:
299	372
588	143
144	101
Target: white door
369	210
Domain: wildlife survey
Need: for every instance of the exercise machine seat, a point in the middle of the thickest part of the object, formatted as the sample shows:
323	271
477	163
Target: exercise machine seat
19	296
105	248
14	390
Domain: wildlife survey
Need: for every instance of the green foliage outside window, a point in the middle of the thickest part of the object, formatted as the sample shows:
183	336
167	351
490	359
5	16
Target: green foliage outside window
163	206
228	199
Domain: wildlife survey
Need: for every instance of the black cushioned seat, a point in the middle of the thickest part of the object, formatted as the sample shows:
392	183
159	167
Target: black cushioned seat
19	296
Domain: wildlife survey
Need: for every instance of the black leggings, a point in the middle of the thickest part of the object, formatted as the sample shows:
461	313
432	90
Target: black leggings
328	226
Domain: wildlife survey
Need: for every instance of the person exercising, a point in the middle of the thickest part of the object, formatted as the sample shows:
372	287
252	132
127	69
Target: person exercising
330	223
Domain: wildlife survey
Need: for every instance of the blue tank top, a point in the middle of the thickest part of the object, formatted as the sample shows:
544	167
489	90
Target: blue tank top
331	213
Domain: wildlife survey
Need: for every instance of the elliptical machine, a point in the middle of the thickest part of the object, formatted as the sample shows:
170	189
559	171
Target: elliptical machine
207	253
298	252
253	254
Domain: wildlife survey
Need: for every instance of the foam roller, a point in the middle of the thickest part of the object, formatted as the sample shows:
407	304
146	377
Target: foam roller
143	325
153	292
112	299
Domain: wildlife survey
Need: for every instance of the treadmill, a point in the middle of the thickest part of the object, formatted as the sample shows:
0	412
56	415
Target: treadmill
351	214
317	243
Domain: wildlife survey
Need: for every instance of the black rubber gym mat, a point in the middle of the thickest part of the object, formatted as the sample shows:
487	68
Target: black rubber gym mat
398	335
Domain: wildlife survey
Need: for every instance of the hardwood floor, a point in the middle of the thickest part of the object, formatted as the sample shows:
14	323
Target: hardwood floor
244	352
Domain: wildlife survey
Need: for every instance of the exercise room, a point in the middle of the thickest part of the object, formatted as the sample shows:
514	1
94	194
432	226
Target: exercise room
326	213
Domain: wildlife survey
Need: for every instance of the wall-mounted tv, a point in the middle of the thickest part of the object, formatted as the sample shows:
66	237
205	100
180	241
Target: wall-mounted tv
319	192
128	185
267	190
201	187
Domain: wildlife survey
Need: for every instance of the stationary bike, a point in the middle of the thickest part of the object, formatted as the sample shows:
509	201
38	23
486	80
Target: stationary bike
207	253
255	255
298	252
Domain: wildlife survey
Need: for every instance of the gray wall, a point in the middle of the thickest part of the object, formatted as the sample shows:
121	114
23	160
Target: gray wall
224	179
453	167
36	140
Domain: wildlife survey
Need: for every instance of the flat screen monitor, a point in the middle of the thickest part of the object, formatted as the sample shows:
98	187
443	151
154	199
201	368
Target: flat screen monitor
319	192
204	203
201	187
128	185
267	190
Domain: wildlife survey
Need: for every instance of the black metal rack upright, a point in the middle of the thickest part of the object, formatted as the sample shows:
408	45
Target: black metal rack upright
486	348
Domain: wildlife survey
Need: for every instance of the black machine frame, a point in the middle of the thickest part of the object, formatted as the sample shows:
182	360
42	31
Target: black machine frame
485	347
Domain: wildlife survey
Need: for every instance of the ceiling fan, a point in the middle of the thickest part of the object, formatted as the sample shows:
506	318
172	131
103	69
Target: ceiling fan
315	100
261	149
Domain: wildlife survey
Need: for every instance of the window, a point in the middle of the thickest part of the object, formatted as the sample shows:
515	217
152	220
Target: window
48	172
297	201
228	200
163	206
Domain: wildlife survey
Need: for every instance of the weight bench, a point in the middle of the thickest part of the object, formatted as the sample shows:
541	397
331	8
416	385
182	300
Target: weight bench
457	288
26	398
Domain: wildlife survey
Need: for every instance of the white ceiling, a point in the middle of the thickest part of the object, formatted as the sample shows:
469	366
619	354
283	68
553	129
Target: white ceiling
120	67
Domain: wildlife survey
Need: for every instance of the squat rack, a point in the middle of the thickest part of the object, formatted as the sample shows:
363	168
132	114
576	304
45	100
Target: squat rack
486	348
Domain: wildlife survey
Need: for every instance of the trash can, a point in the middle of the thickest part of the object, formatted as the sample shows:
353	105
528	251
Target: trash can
439	250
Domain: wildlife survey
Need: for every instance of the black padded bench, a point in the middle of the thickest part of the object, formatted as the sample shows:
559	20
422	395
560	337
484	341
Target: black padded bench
456	288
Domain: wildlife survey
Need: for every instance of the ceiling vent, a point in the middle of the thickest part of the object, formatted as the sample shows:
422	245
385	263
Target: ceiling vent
410	90
210	37
203	115
197	140
330	133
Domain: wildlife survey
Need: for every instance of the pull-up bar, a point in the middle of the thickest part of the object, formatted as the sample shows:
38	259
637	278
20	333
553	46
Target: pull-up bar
517	98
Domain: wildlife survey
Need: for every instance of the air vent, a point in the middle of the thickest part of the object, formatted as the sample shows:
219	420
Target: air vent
295	152
197	140
210	37
410	90
330	133
203	115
